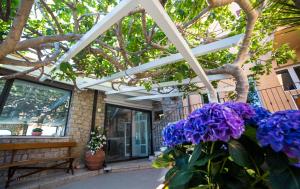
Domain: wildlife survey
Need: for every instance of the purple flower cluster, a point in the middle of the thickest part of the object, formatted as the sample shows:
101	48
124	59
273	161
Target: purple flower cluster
260	114
173	133
213	122
282	132
244	110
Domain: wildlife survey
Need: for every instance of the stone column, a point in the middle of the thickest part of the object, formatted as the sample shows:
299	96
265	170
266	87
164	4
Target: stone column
80	118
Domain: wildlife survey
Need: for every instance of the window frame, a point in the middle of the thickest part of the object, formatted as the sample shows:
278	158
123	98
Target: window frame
4	94
297	67
292	72
280	72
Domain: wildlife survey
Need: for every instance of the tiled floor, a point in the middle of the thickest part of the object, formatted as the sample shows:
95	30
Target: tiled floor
139	179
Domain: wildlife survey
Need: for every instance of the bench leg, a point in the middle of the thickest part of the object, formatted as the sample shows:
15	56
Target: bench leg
71	166
10	174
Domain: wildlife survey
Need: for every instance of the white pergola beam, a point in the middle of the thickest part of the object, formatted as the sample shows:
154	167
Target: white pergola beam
197	51
224	89
163	20
121	10
155	96
170	83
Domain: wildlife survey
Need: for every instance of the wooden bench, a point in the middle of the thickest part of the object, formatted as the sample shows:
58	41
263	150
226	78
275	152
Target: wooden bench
30	163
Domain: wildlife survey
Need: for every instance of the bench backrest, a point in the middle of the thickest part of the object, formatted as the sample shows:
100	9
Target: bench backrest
36	145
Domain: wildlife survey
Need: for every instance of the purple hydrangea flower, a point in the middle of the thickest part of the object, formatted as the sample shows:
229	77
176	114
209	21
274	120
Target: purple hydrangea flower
173	134
260	114
213	122
282	132
244	110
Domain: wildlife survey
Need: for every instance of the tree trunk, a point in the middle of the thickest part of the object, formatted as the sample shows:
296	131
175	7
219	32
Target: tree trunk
242	85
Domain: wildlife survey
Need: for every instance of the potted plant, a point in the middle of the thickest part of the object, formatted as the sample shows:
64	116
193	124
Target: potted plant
95	156
37	132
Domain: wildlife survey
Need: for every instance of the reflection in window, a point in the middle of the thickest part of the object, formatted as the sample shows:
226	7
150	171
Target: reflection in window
31	105
297	70
2	83
253	97
285	80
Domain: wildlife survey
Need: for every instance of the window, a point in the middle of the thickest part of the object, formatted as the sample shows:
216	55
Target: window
285	80
29	105
205	98
297	70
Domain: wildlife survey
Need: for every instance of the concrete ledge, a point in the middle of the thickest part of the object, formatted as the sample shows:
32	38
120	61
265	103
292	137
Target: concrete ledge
32	137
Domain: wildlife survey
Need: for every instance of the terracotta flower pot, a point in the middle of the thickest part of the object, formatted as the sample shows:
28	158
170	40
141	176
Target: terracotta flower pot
36	133
94	162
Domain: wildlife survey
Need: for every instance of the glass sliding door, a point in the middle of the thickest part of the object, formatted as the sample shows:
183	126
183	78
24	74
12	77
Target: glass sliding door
140	133
128	133
118	131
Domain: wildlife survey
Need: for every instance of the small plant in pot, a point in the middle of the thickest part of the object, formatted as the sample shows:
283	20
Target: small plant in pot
37	132
95	156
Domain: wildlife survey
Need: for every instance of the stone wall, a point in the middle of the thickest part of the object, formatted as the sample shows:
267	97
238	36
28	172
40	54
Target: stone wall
171	107
80	119
25	154
100	111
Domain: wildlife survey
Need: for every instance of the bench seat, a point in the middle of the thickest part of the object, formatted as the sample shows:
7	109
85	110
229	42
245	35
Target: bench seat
34	161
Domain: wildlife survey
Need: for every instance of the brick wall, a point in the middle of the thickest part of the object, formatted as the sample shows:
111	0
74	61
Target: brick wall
78	130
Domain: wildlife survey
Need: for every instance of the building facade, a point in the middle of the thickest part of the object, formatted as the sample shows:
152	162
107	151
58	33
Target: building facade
278	90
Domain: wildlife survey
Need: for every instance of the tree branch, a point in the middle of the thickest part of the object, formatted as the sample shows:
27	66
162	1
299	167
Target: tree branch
111	59
121	43
14	35
196	18
9	61
37	65
252	15
37	42
52	16
242	85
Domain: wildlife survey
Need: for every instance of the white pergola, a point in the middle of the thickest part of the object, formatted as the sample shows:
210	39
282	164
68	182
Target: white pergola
162	19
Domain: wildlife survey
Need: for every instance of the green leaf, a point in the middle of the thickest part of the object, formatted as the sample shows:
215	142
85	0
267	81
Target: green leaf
202	161
195	155
182	161
203	187
215	167
282	175
250	133
180	179
287	179
64	67
272	159
255	152
239	153
170	173
162	161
